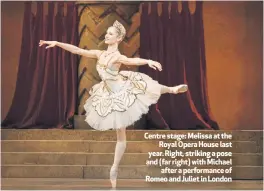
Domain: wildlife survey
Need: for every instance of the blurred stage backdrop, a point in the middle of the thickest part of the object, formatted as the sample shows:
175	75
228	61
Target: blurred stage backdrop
214	47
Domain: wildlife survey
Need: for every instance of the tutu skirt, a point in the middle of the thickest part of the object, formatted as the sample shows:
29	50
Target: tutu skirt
120	99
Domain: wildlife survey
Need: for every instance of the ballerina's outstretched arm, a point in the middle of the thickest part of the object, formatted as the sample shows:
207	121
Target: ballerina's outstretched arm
155	65
139	61
71	48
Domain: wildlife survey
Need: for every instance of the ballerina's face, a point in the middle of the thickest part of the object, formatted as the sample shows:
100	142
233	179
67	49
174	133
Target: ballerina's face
112	36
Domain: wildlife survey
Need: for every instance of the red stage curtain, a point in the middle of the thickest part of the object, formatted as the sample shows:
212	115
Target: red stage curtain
46	88
176	40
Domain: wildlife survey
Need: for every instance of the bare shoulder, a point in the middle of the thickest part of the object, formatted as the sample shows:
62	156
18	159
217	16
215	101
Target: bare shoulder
121	58
98	53
91	53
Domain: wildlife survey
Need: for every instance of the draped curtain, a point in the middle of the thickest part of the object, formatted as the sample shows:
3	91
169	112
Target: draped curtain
176	39
46	88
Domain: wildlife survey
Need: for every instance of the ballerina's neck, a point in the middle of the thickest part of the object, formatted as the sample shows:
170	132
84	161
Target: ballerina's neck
112	47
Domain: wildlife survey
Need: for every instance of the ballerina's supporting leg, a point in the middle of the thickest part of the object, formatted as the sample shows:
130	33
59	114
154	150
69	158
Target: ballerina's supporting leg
121	135
174	90
119	151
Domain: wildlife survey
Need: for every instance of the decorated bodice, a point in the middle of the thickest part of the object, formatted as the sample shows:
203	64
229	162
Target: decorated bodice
107	67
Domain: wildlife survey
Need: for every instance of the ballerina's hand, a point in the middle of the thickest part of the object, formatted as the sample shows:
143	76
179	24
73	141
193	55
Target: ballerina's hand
50	43
155	65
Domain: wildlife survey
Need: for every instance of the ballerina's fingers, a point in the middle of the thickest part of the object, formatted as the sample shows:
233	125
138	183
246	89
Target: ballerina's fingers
42	42
153	67
158	66
52	44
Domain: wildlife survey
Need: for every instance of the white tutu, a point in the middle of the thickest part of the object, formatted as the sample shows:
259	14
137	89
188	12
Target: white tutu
120	99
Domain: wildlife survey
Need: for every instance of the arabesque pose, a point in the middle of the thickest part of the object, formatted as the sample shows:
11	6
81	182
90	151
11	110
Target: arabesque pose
122	97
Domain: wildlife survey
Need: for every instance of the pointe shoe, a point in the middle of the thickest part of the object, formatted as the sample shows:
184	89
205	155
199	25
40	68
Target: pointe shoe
179	89
113	176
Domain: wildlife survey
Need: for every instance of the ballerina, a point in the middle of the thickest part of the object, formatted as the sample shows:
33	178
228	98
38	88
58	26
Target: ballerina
122	97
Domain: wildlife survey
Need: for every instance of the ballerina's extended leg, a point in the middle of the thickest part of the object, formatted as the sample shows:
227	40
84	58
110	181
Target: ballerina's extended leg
174	90
119	151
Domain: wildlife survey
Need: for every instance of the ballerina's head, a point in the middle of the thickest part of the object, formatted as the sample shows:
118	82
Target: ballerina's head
115	33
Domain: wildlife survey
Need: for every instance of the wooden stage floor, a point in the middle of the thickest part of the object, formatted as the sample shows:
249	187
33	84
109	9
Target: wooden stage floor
85	184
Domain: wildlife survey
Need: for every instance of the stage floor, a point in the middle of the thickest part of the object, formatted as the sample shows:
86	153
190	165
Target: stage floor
85	184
